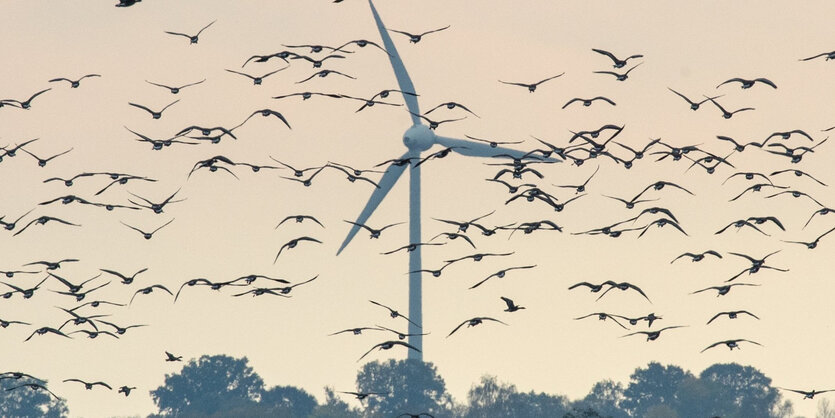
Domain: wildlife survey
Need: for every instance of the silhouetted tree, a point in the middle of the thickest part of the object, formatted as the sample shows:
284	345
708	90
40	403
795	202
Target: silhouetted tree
209	385
288	401
654	385
740	391
412	386
604	398
26	402
494	399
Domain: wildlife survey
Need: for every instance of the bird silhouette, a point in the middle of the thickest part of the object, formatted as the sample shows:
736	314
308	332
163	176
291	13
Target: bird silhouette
731	315
148	235
453	105
696	257
88	385
500	274
394	314
148	290
799	173
386	345
726	114
292	244
624	286
730	343
810	394
125	279
172	357
325	73
812	245
74	83
473	322
416	38
299	219
126	390
257	80
38	386
511	306
531	87
747	84
46	330
154	114
618	76
723	290
694	105
618	63
192	38
602	316
176	89
588	102
42	220
653	335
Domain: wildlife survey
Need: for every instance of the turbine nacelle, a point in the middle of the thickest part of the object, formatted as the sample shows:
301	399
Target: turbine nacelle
419	138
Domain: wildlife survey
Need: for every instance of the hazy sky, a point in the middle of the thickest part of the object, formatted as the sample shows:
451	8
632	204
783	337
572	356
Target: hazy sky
226	227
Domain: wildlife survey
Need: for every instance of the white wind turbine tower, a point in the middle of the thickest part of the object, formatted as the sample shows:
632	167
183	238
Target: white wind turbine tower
417	138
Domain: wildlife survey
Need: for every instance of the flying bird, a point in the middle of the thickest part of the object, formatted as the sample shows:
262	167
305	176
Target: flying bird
623	286
192	38
386	345
653	335
620	77
602	316
726	114
394	314
148	290
810	394
73	83
723	290
731	315
42	220
89	385
172	357
531	87
618	63
256	81
812	245
416	38
588	102
501	273
696	257
176	89
154	114
747	84
292	244
325	73
148	235
694	105
730	343
473	322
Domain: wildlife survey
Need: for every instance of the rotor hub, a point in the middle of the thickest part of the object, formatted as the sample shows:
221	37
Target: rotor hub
419	138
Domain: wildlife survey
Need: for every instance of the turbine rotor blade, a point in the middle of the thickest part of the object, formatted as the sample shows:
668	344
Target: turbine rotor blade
386	182
403	79
478	149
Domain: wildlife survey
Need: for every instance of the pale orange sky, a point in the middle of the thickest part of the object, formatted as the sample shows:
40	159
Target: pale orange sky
225	227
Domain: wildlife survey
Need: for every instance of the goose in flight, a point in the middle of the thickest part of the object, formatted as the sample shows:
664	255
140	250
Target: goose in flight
694	105
747	84
37	386
620	77
588	102
511	306
531	87
726	114
394	314
293	243
696	257
154	114
828	55
400	335
501	273
731	315
148	235
73	83
256	81
89	385
356	331
811	245
45	330
375	233
799	173
730	343
624	286
618	63
415	38
42	220
602	316
723	290
362	395
386	345
175	89
299	219
125	279
809	394
473	322
653	335
172	357
148	290
192	38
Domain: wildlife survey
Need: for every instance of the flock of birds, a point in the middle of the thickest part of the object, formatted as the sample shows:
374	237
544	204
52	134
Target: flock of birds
521	178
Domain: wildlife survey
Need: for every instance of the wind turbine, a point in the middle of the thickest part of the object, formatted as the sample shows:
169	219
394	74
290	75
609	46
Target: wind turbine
417	138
